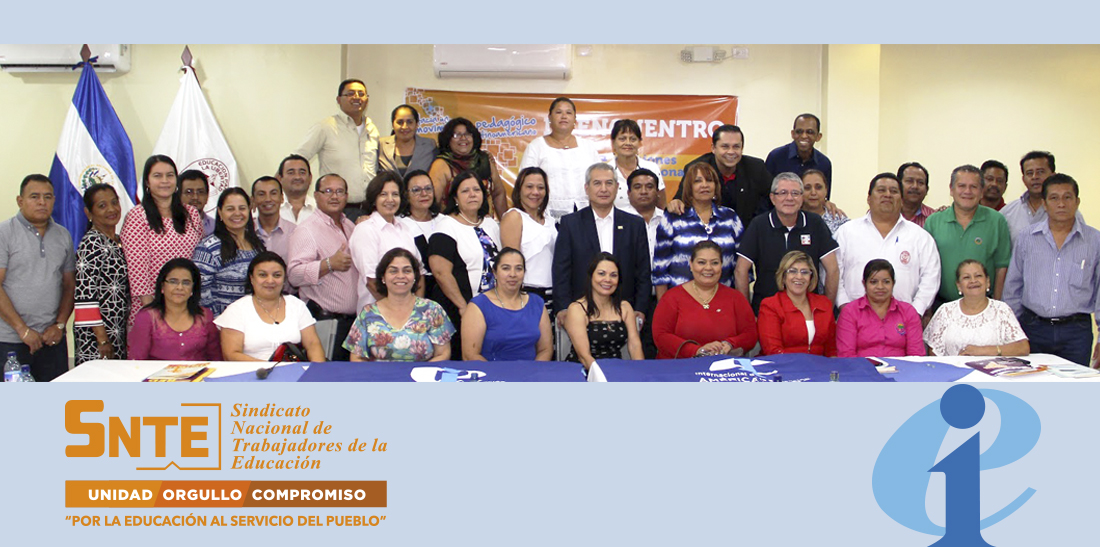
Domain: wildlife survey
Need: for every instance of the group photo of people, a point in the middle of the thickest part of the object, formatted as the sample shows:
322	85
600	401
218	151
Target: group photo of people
408	248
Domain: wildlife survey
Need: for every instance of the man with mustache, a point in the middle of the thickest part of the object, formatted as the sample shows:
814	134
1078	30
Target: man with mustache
914	188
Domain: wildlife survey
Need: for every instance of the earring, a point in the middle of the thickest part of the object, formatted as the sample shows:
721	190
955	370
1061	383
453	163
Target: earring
960	293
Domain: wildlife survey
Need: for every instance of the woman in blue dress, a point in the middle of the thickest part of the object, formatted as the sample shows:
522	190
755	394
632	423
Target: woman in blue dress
506	323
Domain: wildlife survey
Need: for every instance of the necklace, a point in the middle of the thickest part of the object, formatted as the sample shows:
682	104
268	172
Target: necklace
562	143
269	314
706	304
468	221
503	304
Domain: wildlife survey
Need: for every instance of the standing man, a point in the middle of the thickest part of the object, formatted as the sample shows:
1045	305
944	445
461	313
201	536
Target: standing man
194	189
786	228
346	143
1054	278
745	180
995	175
320	264
800	155
601	227
273	229
882	233
643	193
37	282
969	230
914	187
295	177
1036	166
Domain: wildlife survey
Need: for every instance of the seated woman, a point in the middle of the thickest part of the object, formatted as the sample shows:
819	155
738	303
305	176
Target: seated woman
975	324
400	326
600	323
223	256
256	325
174	327
877	324
506	323
703	316
795	319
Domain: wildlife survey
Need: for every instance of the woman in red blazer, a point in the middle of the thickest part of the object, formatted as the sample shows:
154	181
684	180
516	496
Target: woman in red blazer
795	315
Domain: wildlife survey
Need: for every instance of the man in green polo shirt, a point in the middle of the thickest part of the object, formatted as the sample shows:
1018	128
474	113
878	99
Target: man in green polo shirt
968	229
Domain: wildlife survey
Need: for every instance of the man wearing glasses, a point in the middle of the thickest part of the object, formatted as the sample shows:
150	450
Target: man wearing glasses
194	189
786	228
320	263
346	143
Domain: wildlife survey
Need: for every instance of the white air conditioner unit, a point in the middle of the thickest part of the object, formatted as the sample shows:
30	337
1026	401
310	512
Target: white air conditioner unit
62	57
543	61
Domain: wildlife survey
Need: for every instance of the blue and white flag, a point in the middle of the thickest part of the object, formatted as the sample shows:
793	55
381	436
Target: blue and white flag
192	138
93	149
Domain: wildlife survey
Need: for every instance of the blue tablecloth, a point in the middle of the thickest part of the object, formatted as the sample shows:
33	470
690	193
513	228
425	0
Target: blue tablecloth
445	371
790	368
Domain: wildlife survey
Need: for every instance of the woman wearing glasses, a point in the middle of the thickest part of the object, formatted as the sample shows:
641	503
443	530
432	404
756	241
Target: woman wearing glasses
420	213
460	150
174	327
404	150
795	319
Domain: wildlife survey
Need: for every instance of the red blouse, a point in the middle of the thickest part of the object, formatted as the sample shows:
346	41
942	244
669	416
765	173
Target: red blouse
783	327
681	326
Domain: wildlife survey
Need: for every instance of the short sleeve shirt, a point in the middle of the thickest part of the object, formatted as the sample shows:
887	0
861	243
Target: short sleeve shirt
986	239
260	338
35	267
767	240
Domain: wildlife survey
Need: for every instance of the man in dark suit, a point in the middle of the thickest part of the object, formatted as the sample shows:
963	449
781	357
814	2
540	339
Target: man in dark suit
601	227
746	183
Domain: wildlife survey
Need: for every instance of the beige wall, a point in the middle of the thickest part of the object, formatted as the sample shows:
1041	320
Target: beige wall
264	97
882	105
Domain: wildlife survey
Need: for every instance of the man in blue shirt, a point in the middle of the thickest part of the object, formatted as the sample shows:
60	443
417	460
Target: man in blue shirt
800	154
1053	282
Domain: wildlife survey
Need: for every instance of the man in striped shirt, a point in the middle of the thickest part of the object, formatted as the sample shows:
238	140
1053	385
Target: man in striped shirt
1054	277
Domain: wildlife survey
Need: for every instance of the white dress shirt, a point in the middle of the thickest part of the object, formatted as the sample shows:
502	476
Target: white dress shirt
605	230
909	248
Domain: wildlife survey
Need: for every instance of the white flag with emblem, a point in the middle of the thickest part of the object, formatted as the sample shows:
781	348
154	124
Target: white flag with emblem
192	138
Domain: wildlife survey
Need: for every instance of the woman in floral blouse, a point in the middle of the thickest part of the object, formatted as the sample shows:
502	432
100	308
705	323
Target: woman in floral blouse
400	326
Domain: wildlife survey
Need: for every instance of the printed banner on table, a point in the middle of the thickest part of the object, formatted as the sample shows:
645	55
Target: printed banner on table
676	128
93	149
192	138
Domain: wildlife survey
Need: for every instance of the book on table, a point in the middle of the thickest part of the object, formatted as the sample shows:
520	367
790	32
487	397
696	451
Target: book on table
194	372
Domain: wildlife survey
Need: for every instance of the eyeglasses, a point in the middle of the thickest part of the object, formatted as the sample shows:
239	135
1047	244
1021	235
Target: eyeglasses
421	190
799	271
350	94
193	191
458	136
185	283
333	192
785	193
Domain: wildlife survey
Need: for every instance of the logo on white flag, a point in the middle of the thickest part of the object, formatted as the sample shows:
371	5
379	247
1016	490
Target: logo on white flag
95	174
215	170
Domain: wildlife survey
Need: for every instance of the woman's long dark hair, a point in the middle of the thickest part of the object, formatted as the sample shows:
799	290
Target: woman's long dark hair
152	214
229	245
193	306
616	296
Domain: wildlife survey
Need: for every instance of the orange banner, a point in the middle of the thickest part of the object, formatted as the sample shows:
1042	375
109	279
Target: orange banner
149	494
676	128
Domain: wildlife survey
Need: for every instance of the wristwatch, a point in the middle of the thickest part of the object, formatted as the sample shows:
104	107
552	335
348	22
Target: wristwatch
60	327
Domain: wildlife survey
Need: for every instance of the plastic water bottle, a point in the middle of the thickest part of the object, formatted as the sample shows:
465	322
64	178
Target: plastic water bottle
12	370
26	375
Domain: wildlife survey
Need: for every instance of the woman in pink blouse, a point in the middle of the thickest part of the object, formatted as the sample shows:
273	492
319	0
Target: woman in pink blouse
160	229
174	327
877	324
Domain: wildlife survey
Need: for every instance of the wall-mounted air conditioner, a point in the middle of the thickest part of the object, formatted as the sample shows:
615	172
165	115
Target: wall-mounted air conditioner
62	57
543	61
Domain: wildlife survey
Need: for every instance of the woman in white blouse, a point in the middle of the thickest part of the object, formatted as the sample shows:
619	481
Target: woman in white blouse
563	157
465	240
420	213
975	324
376	234
527	227
253	327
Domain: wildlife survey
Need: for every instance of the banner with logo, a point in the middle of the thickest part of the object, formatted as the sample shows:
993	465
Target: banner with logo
93	149
676	128
192	137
